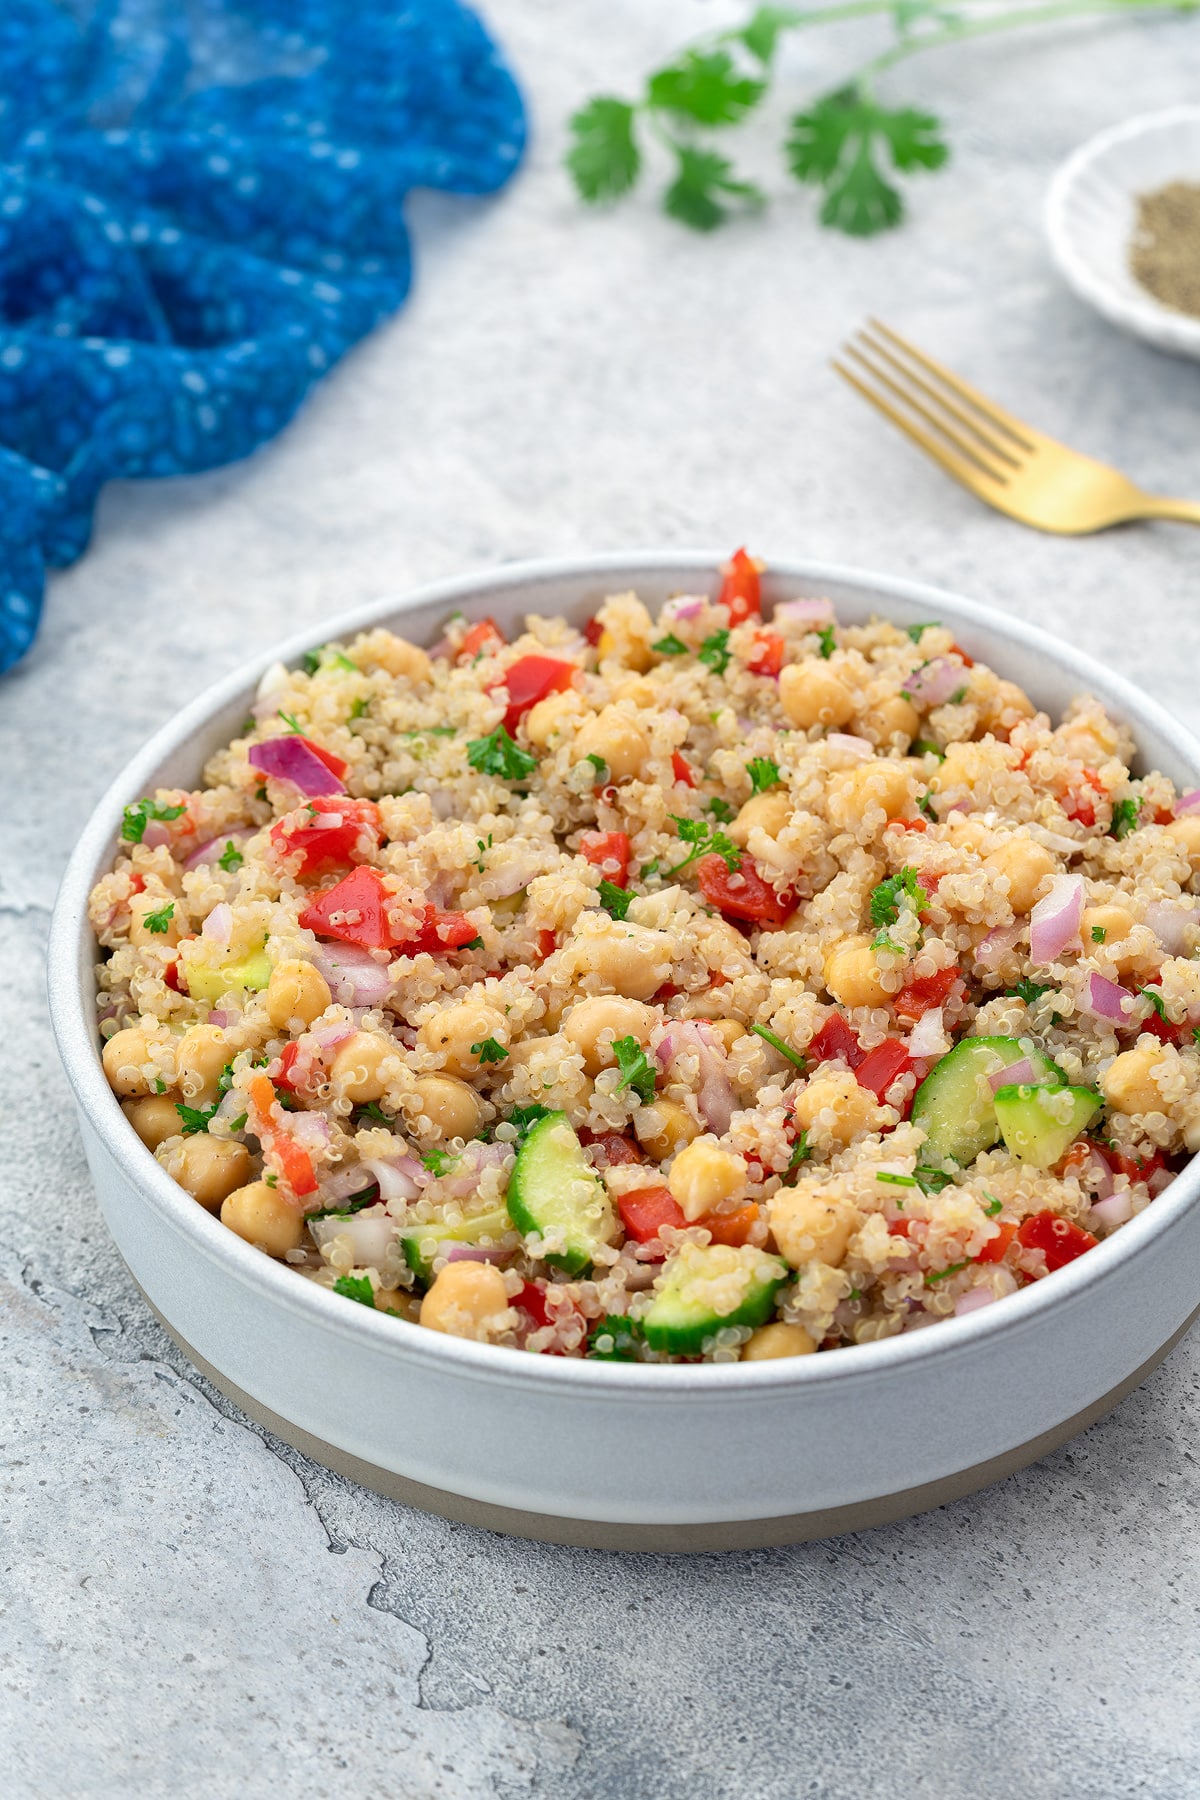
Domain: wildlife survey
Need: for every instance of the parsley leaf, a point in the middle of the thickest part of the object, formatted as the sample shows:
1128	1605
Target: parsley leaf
358	709
1028	990
613	1339
705	85
915	631
139	815
160	921
194	1119
721	810
497	754
704	186
489	1051
370	1109
367	1196
800	1151
1098	934
993	1205
525	1116
231	857
1125	816
888	898
670	646
827	640
476	943
838	145
715	652
931	1181
1156	1001
438	1162
761	32
927	747
703	839
636	1071
601	767
355	1287
604	159
777	1043
925	805
763	773
615	900
957	697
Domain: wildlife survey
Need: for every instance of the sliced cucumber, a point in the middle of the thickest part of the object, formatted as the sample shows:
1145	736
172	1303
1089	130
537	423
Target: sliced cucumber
706	1287
555	1192
1040	1124
954	1105
422	1244
206	982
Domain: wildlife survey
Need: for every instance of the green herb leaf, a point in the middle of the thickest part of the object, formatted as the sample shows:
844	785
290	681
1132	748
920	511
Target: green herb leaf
715	652
355	1287
703	839
721	810
777	1043
476	943
1125	816
942	1274
957	697
902	890
345	1209
160	921
1028	990
706	86
927	747
615	900
489	1051
497	754
761	32
931	1181
438	1162
993	1205
603	160
1156	1001
1098	934
614	1339
648	869
601	767
358	709
292	723
370	1109
525	1116
925	805
231	857
194	1119
827	641
838	145
138	816
704	187
915	631
670	646
636	1071
800	1151
763	773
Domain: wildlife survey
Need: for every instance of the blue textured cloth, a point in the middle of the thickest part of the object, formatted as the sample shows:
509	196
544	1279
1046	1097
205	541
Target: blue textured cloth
201	208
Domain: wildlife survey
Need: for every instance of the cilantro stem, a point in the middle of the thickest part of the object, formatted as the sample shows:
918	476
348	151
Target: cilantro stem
959	31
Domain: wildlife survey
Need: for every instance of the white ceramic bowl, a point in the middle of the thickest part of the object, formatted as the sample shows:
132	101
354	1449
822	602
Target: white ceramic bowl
675	1457
1090	211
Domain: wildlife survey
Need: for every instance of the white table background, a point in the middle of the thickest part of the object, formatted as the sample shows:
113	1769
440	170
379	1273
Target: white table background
189	1608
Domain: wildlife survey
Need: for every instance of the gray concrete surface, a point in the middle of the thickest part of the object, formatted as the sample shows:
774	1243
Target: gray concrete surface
189	1608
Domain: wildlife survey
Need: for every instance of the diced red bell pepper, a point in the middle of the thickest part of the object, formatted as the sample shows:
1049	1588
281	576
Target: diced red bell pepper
733	1227
610	851
593	631
616	1150
547	944
957	650
172	977
354	912
1163	1029
486	635
743	894
336	765
666	992
287	1066
766	658
440	931
996	1248
328	832
529	680
898	1227
532	1299
919	996
645	1211
1060	1240
881	1066
1131	1167
836	1042
682	769
295	1164
1084	809
741	590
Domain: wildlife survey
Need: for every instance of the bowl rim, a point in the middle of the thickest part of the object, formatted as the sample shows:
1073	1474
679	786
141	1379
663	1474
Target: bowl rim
1138	312
70	939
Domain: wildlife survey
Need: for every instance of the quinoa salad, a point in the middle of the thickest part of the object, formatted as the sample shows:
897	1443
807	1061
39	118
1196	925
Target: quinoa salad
700	986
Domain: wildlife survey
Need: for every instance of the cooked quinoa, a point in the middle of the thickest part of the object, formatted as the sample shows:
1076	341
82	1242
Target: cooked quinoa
697	986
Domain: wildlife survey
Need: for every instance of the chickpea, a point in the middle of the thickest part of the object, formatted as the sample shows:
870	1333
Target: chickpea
1186	833
451	1033
615	737
1114	923
357	1067
592	1025
202	1053
999	702
1026	864
296	993
770	812
398	656
125	1057
807	1228
452	1108
854	1108
140	906
632	959
1129	1084
703	1175
726	1031
811	695
467	1300
886	716
210	1168
878	785
852	974
264	1217
665	1127
771	1341
154	1119
545	720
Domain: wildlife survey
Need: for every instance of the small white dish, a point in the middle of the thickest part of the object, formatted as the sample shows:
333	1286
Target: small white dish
1091	208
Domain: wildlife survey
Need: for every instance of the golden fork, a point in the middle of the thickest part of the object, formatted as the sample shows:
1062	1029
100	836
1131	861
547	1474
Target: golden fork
1002	460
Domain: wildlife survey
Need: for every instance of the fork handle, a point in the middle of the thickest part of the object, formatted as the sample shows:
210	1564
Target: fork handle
1186	512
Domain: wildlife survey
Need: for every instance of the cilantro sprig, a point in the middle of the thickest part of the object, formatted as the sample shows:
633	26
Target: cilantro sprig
703	840
901	890
489	1051
715	652
615	900
231	857
763	773
138	816
497	754
613	1339
637	1071
160	922
355	1287
194	1119
1125	816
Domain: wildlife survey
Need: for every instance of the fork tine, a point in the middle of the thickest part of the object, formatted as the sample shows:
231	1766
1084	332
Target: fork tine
910	377
996	415
986	470
957	467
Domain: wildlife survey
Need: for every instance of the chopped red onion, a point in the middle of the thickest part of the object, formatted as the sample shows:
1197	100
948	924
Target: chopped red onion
371	1237
310	1130
928	1035
856	747
1161	1179
715	1096
805	612
998	943
1172	925
341	1183
1114	1209
476	1253
212	848
293	759
1106	999
354	976
972	1300
1054	921
1100	1169
220	1018
1013	1076
218	927
934	681
330	1036
1188	802
685	607
394	1182
155	835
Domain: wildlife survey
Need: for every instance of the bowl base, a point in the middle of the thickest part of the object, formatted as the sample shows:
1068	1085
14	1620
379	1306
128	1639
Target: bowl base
719	1534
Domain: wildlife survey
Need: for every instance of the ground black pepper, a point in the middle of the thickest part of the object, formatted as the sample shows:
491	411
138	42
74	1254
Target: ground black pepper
1164	252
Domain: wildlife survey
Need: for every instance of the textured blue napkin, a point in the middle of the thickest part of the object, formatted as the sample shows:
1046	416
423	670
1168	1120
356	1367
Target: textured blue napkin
201	208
